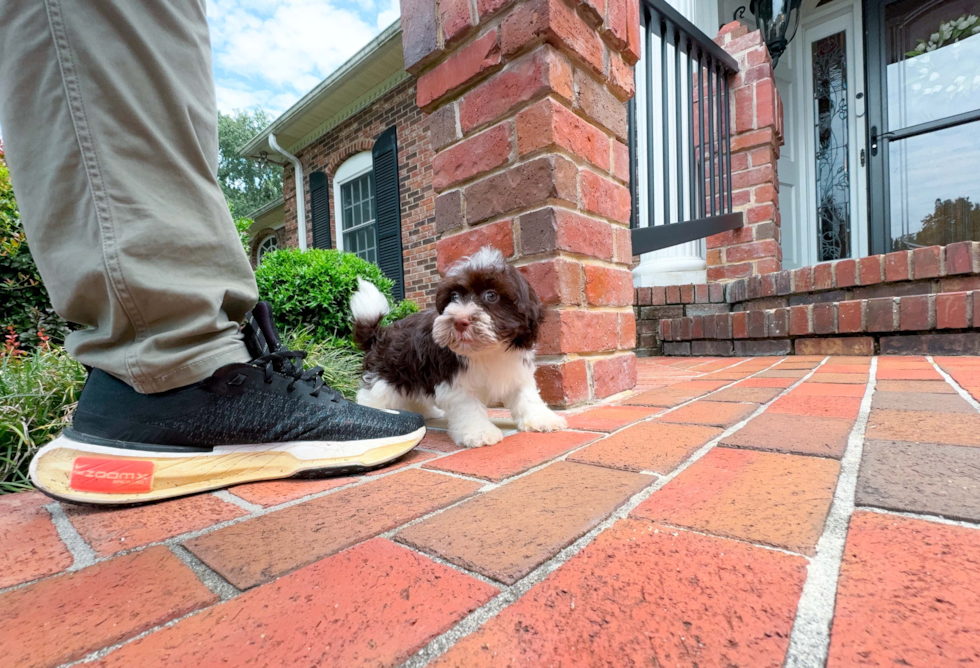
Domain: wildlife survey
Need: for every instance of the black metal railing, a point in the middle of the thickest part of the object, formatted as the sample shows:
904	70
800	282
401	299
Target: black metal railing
680	168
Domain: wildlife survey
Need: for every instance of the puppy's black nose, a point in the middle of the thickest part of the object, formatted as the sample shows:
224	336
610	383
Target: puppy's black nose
461	324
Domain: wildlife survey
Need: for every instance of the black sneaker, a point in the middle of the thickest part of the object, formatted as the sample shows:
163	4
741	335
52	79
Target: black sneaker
264	420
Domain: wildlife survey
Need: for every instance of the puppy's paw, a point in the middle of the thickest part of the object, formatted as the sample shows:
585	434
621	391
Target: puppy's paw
541	419
477	436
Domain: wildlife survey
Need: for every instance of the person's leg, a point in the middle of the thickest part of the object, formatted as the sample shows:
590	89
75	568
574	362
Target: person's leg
109	119
110	127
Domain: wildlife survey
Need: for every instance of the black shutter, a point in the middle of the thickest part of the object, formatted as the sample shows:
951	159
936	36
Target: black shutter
320	210
388	209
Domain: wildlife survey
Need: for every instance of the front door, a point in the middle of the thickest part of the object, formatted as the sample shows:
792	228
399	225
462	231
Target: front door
823	189
924	122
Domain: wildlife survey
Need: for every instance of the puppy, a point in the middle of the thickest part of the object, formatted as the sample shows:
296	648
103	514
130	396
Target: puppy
475	349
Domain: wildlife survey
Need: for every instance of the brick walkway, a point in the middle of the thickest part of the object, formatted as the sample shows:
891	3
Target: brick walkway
724	514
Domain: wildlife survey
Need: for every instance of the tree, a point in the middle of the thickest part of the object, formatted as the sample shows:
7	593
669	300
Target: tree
951	221
247	184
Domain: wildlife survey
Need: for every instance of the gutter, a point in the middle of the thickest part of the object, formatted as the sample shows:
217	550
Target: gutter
300	191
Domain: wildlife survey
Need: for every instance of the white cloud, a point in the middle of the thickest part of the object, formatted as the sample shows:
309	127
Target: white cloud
388	15
270	53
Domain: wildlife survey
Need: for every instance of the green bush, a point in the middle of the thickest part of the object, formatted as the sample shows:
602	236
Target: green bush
24	303
312	289
39	391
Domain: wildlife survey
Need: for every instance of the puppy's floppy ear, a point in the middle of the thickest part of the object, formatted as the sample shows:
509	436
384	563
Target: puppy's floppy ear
528	308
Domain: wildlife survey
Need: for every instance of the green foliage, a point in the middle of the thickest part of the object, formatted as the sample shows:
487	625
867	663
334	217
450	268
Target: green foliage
313	289
39	391
342	365
24	302
247	184
241	226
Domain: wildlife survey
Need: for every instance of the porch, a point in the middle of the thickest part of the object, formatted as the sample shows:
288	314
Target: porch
701	518
825	180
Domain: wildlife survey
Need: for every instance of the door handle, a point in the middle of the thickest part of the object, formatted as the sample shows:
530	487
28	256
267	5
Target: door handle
875	137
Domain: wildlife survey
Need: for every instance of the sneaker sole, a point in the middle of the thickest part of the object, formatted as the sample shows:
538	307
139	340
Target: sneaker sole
69	470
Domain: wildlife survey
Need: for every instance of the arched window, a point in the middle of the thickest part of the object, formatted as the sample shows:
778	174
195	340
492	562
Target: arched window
354	207
266	245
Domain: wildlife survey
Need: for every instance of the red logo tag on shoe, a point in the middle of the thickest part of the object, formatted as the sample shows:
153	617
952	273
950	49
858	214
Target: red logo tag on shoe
111	476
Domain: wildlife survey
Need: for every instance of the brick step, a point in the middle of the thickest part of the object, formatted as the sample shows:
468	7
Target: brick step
944	324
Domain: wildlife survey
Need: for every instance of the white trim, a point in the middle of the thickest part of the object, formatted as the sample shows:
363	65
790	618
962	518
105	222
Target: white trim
355	166
324	88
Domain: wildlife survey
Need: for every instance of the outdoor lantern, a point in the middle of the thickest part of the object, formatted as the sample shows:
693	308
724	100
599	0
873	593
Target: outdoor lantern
778	21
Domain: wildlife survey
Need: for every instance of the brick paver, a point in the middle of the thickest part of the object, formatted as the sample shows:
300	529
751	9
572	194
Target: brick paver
29	544
111	530
609	418
374	604
650	446
909	594
258	550
711	413
764	497
64	618
925	427
921	478
825	437
515	454
506	533
646	595
707	569
274	492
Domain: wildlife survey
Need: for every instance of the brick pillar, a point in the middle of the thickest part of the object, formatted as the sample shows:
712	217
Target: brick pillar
528	121
757	134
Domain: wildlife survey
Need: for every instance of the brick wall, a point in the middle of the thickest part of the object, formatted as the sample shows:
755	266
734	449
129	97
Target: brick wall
529	122
356	134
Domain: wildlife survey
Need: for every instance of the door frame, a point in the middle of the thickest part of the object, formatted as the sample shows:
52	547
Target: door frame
828	20
878	133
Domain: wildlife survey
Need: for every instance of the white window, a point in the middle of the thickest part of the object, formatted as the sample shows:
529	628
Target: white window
270	243
354	208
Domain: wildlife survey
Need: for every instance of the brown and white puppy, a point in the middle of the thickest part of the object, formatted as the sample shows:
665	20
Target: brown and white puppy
474	349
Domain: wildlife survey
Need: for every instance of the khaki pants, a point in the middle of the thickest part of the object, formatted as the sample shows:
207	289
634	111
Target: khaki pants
108	114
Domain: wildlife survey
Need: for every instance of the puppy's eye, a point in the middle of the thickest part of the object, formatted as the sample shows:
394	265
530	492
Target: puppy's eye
490	297
454	297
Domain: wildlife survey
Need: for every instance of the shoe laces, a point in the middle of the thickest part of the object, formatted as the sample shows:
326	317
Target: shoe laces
290	363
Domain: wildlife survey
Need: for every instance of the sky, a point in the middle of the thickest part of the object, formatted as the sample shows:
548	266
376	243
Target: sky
269	53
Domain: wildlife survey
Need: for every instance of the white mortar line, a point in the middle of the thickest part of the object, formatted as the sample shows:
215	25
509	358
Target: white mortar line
228	497
509	594
810	638
952	383
80	550
220	587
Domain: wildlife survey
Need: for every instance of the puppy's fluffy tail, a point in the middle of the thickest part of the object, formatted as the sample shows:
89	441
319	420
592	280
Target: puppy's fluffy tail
368	306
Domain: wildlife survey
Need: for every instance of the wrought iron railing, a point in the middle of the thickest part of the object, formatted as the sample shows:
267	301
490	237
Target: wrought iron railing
680	134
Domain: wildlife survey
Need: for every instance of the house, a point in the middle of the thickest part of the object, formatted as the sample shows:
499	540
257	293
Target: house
334	132
812	190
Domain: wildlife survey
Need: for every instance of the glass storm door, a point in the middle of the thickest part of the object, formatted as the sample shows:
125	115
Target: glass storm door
924	122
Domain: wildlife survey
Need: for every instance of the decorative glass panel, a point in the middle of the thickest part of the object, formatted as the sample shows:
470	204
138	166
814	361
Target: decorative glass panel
360	236
830	113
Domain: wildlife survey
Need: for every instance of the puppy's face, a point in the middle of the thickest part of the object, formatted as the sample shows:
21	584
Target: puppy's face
484	303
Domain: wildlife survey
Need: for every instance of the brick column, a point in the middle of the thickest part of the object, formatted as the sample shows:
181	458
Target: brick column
528	121
757	134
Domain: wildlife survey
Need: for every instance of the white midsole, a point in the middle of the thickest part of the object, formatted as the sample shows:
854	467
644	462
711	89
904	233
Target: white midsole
302	450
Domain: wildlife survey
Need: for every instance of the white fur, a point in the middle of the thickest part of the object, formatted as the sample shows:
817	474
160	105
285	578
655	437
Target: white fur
494	373
487	257
368	304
